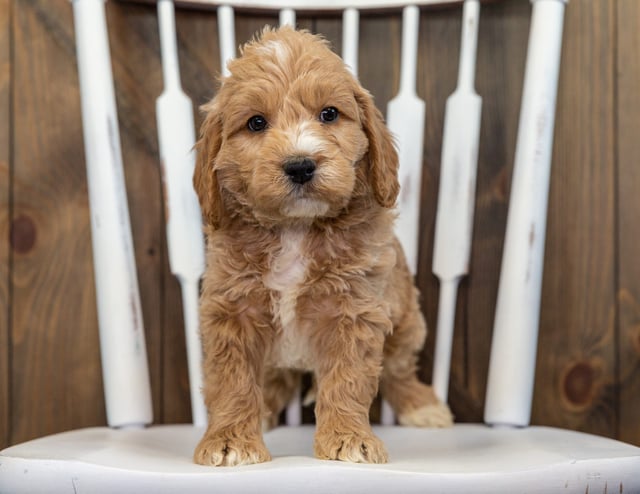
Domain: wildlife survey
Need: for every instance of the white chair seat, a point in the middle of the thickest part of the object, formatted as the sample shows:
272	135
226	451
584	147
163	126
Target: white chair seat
465	458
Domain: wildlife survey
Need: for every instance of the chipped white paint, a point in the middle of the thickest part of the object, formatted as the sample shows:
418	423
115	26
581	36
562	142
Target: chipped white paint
405	118
456	194
185	239
515	332
122	342
288	270
317	5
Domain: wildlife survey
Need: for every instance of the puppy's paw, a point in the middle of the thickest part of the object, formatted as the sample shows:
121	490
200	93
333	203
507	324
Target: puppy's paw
432	415
220	450
355	447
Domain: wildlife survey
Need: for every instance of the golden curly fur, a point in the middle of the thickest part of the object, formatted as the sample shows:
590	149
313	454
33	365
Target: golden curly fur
304	272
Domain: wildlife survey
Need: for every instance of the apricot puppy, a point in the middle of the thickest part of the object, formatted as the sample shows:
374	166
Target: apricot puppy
296	175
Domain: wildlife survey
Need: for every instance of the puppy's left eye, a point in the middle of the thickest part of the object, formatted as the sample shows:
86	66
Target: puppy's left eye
329	114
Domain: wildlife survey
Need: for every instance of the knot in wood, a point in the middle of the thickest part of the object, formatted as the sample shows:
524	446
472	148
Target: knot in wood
23	234
578	384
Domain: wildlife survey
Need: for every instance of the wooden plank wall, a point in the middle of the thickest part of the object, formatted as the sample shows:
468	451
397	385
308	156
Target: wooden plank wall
588	375
627	145
5	186
579	304
55	373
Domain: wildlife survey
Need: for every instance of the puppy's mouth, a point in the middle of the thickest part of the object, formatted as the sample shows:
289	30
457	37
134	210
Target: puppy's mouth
301	203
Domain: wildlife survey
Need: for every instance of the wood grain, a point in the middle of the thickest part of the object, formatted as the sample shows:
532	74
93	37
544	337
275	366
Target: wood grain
56	381
628	184
576	367
5	212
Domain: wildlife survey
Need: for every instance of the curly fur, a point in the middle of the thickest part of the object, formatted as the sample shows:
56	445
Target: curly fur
303	276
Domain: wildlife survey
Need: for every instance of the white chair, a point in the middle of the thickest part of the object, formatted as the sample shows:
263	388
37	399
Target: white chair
505	455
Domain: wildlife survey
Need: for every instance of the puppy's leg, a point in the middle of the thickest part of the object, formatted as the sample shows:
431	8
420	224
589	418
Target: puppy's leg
348	370
415	403
279	388
233	370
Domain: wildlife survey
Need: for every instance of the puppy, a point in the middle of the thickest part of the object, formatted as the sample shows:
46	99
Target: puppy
296	176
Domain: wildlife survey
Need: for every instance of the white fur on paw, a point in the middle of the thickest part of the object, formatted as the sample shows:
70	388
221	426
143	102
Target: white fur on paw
218	450
436	415
352	447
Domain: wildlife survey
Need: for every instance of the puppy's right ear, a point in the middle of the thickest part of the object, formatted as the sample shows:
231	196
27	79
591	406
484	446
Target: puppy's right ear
204	177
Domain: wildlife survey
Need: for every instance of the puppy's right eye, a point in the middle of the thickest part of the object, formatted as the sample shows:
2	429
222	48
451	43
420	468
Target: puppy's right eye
257	123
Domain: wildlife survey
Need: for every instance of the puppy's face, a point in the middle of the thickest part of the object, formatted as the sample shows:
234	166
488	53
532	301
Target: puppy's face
291	135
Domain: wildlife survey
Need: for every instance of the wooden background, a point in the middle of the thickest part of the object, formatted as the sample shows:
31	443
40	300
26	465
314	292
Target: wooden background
588	375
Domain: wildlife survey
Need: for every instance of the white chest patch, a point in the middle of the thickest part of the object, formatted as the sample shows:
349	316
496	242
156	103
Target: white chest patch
288	270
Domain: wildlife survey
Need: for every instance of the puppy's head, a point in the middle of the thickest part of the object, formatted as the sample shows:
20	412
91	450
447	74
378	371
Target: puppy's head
292	135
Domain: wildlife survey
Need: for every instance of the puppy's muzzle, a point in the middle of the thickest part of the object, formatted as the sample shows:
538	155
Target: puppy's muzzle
300	170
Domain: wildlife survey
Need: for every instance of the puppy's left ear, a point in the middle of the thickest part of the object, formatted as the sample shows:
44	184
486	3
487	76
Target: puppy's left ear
383	158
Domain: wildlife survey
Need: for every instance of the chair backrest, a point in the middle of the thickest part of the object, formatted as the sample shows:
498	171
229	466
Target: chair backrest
126	375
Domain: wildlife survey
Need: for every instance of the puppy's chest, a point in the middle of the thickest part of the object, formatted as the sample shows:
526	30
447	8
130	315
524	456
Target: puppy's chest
286	275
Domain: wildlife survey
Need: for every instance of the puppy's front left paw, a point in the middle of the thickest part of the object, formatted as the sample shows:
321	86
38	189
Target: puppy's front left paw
356	447
219	450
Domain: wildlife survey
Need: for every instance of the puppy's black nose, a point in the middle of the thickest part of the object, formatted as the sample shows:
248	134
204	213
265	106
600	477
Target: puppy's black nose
300	170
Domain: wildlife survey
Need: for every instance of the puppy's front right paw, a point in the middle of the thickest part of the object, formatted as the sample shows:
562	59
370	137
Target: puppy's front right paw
220	450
